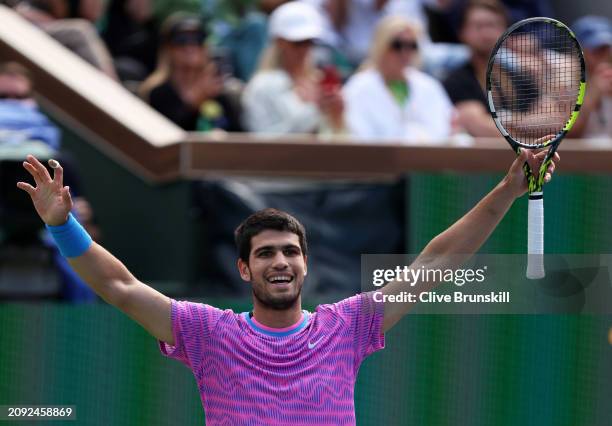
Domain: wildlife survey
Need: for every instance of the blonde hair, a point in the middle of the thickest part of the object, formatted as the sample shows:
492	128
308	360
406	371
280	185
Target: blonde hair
271	59
387	29
162	72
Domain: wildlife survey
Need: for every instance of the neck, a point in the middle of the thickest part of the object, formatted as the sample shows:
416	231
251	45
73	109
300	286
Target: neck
275	318
392	76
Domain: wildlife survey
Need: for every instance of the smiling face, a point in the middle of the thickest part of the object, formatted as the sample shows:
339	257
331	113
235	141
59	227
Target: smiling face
276	269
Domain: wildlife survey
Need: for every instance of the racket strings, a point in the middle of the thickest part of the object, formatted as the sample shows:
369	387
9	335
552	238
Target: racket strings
535	81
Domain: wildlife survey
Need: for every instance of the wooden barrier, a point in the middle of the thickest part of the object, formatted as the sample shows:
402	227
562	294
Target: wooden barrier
126	129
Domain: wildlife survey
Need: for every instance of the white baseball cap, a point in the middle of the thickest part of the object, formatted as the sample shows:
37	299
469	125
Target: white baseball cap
296	21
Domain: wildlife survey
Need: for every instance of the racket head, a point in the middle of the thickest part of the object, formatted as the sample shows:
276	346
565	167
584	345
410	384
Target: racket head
535	82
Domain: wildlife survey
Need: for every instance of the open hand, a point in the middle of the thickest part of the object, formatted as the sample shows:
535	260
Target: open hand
208	85
50	197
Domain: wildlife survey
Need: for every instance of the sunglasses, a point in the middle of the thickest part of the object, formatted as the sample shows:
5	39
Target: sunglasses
191	38
398	45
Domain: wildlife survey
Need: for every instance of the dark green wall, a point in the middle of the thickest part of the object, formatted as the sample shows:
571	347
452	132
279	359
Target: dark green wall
149	227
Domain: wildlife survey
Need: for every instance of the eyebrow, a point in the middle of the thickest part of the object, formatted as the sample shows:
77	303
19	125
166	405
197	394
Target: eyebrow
271	247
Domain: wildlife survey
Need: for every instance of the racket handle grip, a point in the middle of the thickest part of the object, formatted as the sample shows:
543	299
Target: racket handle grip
535	237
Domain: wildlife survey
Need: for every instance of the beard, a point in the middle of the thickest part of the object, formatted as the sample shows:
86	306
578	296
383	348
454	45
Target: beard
278	302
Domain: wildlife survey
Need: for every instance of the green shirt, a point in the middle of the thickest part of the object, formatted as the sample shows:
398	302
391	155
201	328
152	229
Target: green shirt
399	90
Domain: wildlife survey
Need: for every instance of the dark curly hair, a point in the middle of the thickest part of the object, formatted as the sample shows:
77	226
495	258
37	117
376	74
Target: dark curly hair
262	220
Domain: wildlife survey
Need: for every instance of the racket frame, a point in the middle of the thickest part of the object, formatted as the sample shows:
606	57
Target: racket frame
535	232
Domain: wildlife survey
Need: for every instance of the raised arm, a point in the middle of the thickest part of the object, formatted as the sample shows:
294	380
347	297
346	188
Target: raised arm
103	272
462	239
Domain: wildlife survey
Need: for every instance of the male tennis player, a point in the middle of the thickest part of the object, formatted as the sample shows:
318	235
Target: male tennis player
278	364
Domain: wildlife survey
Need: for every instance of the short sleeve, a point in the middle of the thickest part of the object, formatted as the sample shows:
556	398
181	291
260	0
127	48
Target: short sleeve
462	86
192	327
365	317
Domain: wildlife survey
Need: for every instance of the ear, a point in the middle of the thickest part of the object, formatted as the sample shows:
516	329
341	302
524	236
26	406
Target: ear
305	265
245	272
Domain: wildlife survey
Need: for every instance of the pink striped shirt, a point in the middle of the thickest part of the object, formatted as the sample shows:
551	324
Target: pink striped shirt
249	374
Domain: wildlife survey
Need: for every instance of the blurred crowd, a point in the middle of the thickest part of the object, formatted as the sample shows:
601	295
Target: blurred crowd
398	70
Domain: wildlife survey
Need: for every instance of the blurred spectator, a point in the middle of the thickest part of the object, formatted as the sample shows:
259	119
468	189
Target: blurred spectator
187	86
446	16
24	127
389	98
595	36
20	118
523	9
484	21
288	94
90	10
349	24
239	33
131	34
65	22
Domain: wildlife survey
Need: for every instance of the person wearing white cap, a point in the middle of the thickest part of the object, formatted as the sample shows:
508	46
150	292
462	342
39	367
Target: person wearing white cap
595	35
286	94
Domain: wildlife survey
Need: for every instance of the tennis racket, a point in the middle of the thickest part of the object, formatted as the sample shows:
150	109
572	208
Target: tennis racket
535	86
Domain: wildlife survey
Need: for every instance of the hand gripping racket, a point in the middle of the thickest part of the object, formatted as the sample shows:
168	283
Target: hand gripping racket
535	86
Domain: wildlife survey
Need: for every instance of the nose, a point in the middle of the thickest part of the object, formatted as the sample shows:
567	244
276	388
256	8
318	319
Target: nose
280	261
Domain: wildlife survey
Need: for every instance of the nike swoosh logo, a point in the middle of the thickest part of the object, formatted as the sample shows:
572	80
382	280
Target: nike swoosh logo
313	344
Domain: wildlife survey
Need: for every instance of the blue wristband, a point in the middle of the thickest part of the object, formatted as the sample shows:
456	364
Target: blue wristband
71	238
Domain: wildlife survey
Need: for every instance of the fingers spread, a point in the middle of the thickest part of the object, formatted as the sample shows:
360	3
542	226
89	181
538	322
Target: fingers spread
33	171
58	174
42	171
26	187
66	195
